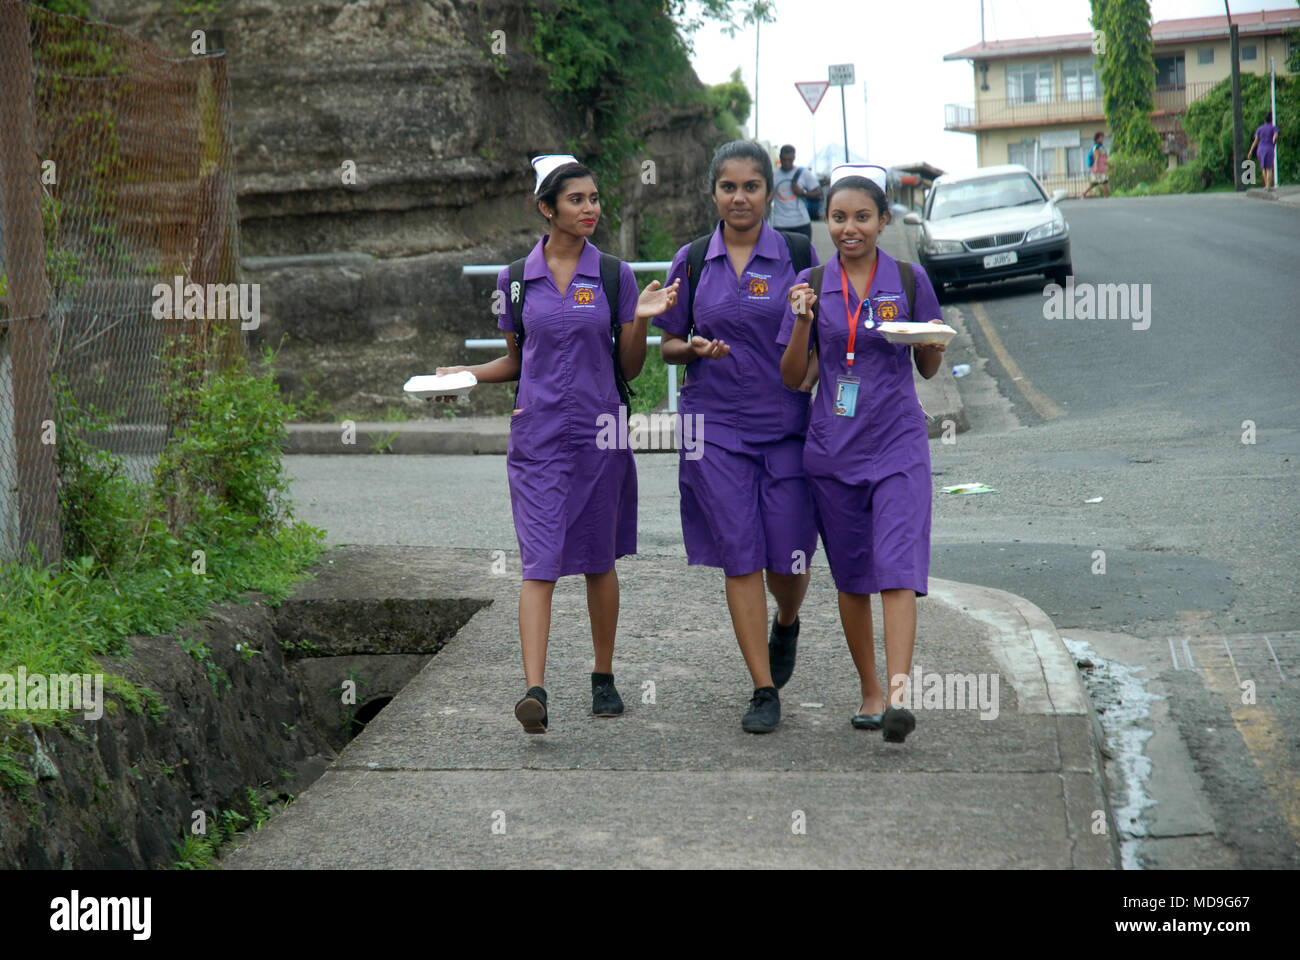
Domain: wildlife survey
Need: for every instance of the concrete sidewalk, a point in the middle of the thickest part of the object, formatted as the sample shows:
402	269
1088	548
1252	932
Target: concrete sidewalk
1288	194
675	782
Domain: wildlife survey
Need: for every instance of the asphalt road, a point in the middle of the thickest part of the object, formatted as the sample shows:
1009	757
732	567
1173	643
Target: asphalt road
1187	568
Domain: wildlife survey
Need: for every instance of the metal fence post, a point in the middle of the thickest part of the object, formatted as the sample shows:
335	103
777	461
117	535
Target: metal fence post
28	293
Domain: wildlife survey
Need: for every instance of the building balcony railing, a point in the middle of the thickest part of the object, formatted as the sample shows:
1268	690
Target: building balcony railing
992	114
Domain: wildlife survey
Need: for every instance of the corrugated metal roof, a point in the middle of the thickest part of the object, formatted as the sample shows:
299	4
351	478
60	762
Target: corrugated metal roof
1163	31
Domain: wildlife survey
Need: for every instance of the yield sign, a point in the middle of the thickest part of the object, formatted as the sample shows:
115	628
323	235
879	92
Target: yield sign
812	92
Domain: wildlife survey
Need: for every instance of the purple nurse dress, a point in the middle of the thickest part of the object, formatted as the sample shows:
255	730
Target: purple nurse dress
572	492
745	505
870	473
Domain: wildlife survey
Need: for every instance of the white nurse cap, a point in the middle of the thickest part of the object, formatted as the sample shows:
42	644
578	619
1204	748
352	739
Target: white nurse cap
548	162
877	175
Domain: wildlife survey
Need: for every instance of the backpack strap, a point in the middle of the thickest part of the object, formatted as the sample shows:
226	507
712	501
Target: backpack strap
694	266
611	268
800	250
908	276
815	282
517	285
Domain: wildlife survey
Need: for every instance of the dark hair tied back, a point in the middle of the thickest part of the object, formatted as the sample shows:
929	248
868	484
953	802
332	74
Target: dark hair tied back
742	150
869	187
553	183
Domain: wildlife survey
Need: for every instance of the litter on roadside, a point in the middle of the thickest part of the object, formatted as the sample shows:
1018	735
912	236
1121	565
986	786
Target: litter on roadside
1095	500
966	488
961	370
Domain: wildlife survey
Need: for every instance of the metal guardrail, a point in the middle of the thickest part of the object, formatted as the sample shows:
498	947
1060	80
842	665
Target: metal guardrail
638	266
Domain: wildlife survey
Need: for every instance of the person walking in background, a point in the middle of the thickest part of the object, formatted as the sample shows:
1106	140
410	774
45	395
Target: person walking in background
793	187
1097	163
867	457
744	502
1266	141
574	500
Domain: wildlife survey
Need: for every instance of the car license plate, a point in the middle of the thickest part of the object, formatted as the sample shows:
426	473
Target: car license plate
999	259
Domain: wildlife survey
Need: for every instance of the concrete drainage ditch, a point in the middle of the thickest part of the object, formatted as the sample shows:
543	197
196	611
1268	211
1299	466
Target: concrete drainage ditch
376	646
296	684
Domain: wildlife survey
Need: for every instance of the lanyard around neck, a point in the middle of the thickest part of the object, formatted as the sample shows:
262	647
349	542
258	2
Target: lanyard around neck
853	319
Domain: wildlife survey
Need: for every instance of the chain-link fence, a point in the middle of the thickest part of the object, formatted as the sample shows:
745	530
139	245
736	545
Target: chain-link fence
116	179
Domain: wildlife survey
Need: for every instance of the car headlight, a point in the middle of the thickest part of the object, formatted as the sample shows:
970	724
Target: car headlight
1050	229
937	247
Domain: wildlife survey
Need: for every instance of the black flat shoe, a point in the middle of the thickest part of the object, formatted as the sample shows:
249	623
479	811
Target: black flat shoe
866	721
764	711
896	724
605	701
782	643
531	710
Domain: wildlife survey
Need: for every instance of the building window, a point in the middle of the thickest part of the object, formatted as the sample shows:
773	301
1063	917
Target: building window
1079	79
1023	154
1205	56
1074	157
1248	52
1171	73
1029	82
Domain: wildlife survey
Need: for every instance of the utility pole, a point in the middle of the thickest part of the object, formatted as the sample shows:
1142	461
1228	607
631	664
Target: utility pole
758	27
1237	134
1272	93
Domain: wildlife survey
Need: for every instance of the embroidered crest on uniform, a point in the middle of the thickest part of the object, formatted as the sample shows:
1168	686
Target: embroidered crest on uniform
584	296
887	311
757	287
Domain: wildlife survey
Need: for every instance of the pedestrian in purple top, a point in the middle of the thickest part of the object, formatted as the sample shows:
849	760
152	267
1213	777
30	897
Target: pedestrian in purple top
745	505
574	498
867	456
1266	141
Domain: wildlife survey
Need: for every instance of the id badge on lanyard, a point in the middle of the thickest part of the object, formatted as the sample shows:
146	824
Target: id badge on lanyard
846	395
848	386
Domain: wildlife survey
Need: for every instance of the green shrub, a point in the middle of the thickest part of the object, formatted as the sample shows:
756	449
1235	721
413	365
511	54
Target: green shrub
1128	172
1209	124
1188	178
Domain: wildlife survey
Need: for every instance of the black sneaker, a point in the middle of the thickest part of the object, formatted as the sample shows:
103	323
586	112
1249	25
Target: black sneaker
896	724
781	643
605	701
764	711
531	710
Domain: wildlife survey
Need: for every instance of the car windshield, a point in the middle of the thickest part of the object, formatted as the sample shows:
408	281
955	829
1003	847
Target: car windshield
987	193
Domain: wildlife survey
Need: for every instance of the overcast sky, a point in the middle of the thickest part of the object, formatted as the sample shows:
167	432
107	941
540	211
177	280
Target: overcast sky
897	48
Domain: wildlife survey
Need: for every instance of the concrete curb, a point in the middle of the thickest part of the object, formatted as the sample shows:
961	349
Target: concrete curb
469	435
491	435
1288	195
1042	670
938	396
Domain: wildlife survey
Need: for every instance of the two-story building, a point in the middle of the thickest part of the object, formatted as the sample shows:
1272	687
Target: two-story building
1038	101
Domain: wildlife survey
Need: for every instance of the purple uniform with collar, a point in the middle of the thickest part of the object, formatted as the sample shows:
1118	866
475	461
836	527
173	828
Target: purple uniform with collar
574	503
745	504
870	473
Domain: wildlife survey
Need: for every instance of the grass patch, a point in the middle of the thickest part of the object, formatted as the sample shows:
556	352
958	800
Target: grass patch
201	851
147	558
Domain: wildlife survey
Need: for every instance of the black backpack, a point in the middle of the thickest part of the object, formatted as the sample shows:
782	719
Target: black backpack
610	269
800	258
905	273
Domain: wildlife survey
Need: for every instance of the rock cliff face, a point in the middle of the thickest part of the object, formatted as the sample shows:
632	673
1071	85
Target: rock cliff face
361	282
